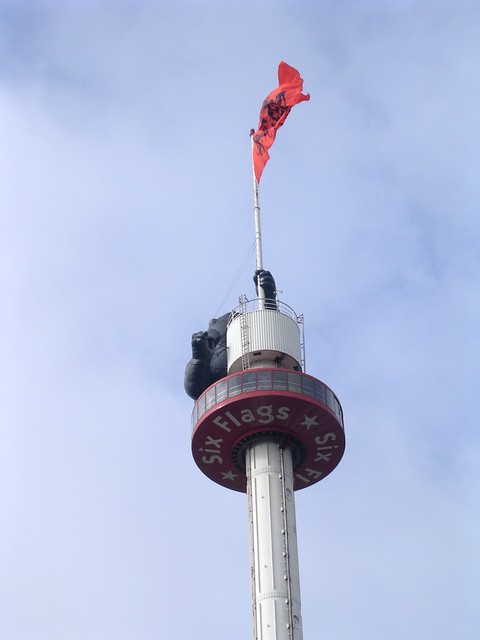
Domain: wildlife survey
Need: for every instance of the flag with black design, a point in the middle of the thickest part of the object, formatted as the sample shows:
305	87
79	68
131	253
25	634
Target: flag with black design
274	111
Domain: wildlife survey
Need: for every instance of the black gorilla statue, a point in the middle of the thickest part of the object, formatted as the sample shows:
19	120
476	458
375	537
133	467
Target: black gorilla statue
209	357
209	348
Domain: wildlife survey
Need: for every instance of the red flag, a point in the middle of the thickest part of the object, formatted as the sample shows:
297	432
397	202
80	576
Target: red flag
275	109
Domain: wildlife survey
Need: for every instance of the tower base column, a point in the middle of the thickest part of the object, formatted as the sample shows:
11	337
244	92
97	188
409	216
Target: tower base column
275	579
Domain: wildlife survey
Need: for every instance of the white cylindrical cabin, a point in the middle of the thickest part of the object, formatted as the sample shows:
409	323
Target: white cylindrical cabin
267	337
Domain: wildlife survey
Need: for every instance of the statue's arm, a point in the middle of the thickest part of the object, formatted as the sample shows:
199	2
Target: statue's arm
197	372
263	279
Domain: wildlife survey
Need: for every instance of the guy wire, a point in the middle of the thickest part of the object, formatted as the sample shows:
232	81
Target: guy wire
236	278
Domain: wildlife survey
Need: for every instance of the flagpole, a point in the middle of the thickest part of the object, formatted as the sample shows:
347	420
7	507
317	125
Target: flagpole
256	209
258	231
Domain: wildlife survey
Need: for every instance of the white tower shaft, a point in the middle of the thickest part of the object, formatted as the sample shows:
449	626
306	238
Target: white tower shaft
275	578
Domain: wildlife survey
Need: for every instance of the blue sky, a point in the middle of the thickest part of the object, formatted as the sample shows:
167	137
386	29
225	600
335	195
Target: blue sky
126	214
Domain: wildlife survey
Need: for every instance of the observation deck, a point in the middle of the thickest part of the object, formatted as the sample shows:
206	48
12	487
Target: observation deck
298	410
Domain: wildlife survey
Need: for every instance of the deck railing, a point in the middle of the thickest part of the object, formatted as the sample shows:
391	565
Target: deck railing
253	380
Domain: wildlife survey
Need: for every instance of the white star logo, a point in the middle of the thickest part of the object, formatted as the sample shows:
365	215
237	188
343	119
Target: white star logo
308	422
229	475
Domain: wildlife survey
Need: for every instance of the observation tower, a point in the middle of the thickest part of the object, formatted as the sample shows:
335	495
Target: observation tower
262	426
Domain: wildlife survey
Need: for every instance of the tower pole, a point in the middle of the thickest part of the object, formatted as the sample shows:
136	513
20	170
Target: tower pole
275	581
